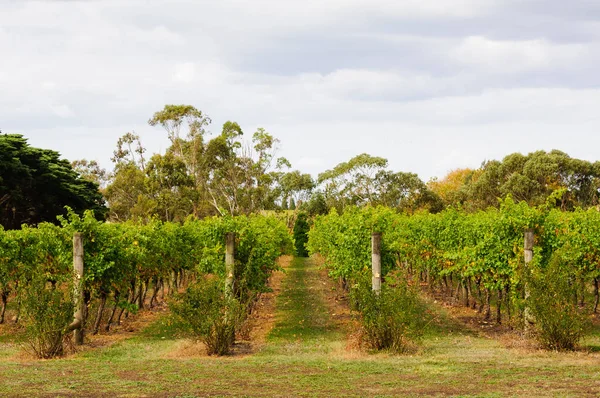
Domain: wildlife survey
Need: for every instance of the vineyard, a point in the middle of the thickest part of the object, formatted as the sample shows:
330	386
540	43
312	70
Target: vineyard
128	266
477	258
474	261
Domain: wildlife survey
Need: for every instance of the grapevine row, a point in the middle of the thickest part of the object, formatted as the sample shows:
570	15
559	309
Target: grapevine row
475	256
126	261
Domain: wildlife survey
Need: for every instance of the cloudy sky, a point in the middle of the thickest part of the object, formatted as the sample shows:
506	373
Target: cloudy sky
432	85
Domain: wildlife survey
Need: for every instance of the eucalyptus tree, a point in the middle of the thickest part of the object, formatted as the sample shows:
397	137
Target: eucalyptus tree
364	179
534	178
197	175
352	182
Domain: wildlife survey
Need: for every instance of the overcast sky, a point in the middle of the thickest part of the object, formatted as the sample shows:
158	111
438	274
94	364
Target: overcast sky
431	85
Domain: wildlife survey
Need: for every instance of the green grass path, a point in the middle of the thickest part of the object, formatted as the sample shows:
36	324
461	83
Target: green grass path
303	320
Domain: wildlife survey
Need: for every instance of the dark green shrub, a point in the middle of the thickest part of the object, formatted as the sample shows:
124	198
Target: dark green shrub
47	313
209	315
301	229
559	323
394	319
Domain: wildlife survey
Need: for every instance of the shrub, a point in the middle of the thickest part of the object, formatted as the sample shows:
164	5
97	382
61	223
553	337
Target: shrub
559	323
209	315
47	313
394	319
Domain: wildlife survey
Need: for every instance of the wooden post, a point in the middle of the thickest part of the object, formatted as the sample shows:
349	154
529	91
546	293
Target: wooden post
528	254
78	288
229	263
376	261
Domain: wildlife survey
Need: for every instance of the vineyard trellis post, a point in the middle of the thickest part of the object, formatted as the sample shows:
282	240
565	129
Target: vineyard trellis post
528	257
78	288
376	261
229	263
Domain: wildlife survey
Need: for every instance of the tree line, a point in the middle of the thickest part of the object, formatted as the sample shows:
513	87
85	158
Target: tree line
227	174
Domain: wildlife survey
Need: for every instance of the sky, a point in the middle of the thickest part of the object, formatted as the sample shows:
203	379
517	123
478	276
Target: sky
431	85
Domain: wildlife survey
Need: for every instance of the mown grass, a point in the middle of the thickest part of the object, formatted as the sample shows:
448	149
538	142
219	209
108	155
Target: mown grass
306	355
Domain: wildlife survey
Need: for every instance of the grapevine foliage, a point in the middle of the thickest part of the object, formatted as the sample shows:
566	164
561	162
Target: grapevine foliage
481	252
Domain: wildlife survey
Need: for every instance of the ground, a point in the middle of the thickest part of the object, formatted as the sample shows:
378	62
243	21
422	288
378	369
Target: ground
303	343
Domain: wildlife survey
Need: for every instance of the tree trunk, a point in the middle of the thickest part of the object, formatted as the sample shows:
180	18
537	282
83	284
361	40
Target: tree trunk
507	298
99	314
465	290
457	292
120	315
87	299
113	312
146	287
4	297
474	303
156	284
596	295
487	312
139	295
499	308
132	300
18	302
428	276
18	310
173	283
479	296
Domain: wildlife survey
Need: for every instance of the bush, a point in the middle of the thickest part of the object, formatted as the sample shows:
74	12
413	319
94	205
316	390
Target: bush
559	323
393	320
209	315
47	313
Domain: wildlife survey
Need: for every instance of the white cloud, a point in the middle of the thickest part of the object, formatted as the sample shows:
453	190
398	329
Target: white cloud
184	73
518	56
447	86
305	162
63	111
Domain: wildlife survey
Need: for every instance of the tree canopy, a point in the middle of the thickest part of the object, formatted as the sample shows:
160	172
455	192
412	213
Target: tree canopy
364	179
201	175
230	173
36	185
534	178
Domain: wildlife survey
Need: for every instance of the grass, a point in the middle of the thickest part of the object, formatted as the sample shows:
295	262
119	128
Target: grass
305	355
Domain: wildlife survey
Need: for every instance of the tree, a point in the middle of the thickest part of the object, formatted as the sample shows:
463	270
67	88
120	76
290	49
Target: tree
242	177
533	178
316	205
36	185
352	182
196	176
405	192
128	195
128	191
91	171
189	148
170	187
301	228
452	189
296	187
364	180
